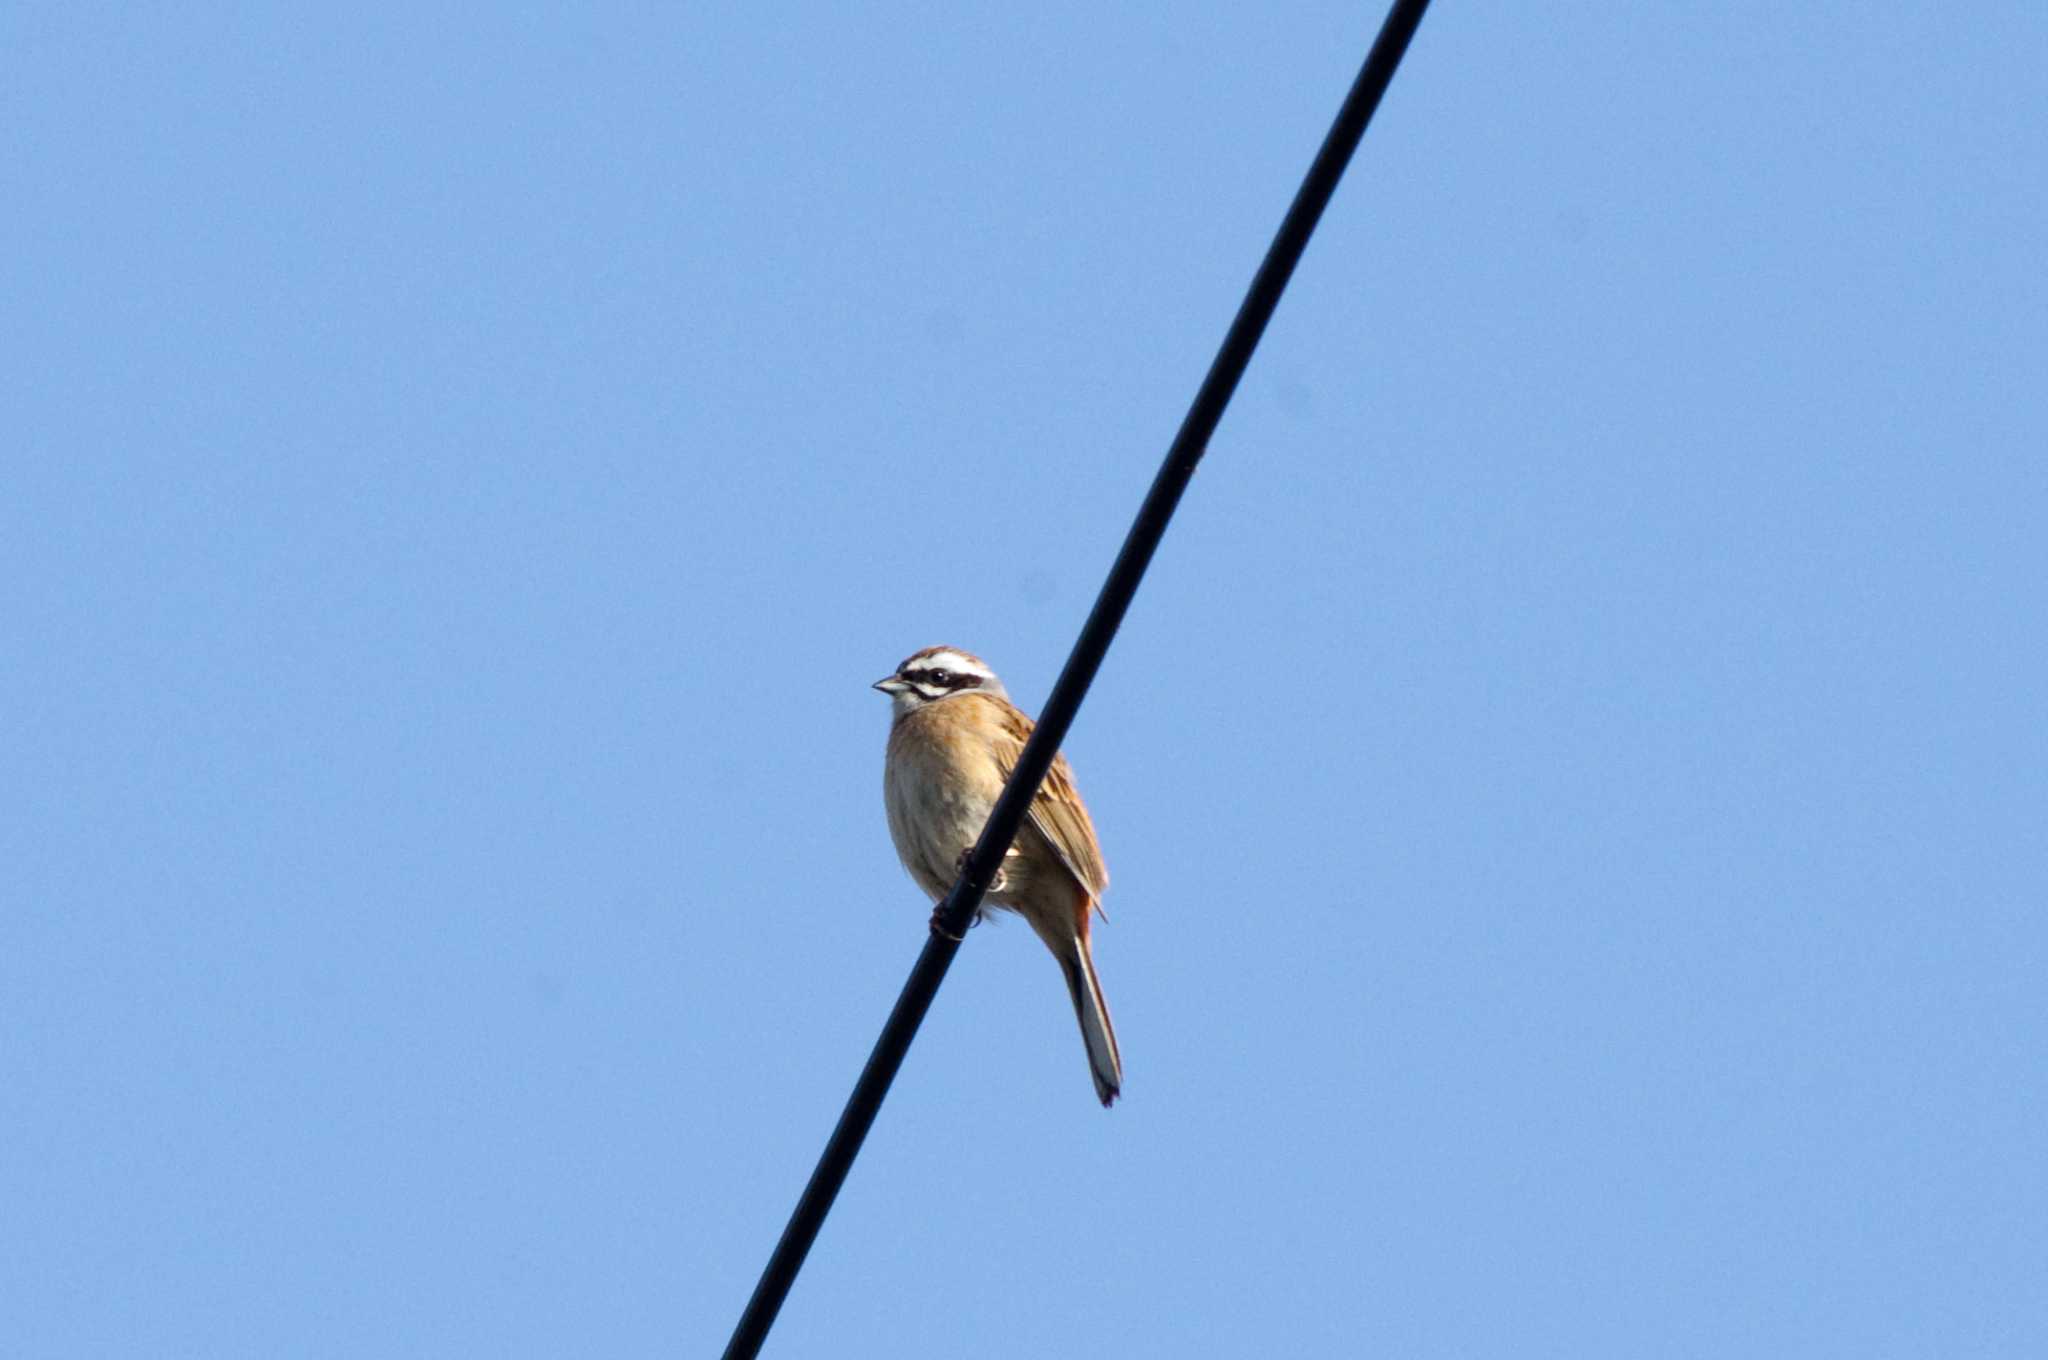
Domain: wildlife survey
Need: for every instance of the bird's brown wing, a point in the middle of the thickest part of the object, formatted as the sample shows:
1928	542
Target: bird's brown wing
1057	813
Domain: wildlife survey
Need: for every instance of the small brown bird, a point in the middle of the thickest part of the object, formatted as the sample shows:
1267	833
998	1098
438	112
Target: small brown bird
953	742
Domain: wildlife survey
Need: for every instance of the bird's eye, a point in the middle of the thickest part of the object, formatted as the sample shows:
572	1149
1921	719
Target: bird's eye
942	677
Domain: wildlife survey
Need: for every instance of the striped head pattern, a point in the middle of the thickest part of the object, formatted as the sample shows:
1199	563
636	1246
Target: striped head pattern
938	673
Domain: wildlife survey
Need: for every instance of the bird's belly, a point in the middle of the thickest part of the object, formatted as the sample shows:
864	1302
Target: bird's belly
931	825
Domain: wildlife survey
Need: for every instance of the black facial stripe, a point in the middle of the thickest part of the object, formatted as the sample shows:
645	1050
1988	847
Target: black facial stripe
955	680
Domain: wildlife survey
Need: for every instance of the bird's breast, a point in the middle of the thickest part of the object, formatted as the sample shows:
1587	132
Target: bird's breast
939	783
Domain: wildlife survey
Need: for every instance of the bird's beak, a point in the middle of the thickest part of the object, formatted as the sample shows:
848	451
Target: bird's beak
889	684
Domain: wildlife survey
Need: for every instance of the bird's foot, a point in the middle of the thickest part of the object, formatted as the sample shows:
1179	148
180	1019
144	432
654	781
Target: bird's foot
1000	883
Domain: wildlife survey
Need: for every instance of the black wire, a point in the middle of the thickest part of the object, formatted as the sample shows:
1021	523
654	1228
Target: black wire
1072	686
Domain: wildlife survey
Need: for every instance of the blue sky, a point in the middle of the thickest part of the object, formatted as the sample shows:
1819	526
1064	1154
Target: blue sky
1574	780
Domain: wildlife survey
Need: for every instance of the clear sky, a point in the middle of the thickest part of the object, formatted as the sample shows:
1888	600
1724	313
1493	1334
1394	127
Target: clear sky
1575	781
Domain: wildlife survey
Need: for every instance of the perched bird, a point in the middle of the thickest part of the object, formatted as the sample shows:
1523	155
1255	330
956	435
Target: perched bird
954	738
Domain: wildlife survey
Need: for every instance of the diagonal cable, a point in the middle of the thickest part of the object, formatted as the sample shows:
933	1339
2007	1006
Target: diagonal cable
1110	606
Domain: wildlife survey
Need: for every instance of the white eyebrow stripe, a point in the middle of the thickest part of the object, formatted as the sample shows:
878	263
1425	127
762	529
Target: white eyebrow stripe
957	662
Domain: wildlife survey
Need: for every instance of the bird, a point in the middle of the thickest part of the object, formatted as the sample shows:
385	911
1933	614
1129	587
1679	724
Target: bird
954	738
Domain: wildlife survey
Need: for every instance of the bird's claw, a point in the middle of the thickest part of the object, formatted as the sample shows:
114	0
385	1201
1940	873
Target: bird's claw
1001	882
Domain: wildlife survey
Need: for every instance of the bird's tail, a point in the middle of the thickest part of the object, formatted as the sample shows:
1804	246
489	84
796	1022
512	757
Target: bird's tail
1077	961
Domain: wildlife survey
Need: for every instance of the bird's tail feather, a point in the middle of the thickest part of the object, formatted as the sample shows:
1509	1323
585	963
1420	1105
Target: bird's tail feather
1105	1064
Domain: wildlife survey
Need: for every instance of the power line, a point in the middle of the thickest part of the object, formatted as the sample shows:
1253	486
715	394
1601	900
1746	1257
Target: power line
1110	606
